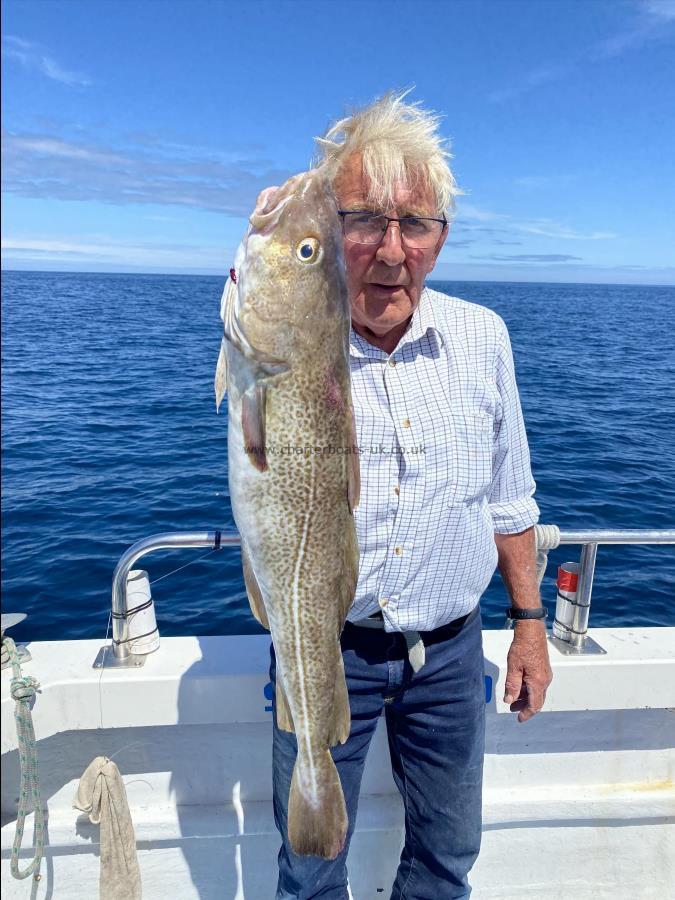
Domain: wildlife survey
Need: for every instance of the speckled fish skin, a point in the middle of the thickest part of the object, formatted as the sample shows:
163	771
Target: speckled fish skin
286	352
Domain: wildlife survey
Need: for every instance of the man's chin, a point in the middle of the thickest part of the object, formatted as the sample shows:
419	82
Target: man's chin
385	323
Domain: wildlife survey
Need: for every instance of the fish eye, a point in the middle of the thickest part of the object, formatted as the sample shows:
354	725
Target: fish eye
307	250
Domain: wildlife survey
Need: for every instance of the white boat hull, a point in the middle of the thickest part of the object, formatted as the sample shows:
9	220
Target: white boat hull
579	802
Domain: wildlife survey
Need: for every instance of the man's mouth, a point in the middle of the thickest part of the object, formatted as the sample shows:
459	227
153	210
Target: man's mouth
385	287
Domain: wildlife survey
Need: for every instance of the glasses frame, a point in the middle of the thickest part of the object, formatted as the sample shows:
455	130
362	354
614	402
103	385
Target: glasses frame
343	213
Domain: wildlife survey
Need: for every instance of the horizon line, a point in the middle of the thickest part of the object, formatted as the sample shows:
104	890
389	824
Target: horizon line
430	281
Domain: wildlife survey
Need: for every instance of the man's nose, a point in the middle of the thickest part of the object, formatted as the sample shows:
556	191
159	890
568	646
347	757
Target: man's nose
390	249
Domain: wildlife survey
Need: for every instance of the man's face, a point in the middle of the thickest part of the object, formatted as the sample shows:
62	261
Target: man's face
385	280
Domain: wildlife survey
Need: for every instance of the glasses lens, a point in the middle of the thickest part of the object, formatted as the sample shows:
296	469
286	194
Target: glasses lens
369	228
420	233
364	227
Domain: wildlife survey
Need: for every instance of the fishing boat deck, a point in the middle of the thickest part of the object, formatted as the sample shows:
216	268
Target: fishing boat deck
579	802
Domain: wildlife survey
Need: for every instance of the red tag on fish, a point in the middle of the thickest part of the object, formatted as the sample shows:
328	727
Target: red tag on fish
233	275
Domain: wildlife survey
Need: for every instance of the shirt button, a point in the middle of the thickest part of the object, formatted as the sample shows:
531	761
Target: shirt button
383	602
398	551
397	490
406	423
392	362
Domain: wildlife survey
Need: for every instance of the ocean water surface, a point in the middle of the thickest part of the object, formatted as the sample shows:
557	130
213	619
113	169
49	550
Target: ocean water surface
110	434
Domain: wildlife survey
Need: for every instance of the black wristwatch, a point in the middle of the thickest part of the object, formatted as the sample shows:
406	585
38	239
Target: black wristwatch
540	612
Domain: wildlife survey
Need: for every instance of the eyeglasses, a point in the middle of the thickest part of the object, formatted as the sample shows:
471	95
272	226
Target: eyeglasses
417	232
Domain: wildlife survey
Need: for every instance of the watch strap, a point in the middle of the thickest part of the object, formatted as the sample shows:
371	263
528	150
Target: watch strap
539	612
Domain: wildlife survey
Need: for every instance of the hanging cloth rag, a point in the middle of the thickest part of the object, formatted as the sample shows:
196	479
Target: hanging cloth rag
102	796
413	641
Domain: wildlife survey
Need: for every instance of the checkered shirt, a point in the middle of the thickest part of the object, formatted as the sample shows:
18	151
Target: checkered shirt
444	463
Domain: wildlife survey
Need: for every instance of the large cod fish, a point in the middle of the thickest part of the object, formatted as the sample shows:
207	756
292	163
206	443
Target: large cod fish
294	477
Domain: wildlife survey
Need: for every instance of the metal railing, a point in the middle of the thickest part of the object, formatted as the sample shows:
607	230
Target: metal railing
117	654
576	639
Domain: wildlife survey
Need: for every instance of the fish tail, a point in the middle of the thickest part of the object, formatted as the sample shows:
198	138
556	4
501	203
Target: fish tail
317	825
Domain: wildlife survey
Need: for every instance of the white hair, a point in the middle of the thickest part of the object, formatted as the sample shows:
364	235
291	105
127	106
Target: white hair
398	142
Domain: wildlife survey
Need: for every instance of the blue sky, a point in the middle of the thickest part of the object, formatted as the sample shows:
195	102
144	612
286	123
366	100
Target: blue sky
136	135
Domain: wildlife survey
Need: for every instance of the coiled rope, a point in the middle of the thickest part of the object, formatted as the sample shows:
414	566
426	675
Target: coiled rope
23	688
547	537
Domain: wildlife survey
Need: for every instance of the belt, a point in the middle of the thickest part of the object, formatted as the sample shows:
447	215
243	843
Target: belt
416	640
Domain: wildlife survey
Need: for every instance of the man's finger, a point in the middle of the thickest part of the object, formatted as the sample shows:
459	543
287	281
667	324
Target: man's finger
513	687
535	701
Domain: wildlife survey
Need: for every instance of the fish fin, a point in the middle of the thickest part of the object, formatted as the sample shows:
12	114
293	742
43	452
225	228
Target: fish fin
318	828
353	466
341	721
284	717
228	299
255	597
350	572
220	382
253	425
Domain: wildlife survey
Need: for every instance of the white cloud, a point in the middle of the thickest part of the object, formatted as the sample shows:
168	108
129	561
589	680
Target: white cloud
530	257
547	228
109	250
649	21
46	146
660	9
49	246
535	182
532	80
31	57
477	213
540	227
49	166
562	272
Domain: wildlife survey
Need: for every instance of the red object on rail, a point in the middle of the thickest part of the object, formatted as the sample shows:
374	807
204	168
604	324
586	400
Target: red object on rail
567	581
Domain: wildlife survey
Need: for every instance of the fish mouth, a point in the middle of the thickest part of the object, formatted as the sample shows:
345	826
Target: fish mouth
271	202
265	202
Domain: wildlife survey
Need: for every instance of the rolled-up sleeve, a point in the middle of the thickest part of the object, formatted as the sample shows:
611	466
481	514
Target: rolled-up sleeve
511	496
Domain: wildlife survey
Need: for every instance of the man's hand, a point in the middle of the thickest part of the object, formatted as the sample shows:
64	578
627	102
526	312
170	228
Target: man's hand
528	671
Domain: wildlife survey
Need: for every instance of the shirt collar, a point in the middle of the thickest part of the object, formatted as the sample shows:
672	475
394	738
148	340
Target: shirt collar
423	320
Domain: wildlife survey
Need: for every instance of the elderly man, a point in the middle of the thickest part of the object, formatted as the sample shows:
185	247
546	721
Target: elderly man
446	495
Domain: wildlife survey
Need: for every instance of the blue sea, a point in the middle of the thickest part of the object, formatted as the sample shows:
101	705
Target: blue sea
110	434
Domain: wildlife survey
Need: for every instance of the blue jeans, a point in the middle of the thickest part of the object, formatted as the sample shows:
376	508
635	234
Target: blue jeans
436	728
